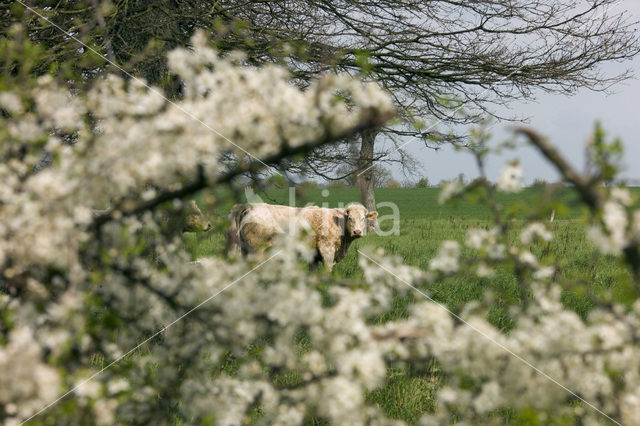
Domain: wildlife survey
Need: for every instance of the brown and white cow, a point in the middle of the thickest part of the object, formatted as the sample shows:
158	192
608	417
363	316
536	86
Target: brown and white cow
254	226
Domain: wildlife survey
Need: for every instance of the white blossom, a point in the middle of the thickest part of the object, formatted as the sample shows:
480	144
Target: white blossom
544	272
483	270
528	258
117	385
11	102
447	259
620	196
535	230
341	400
449	190
511	178
613	237
26	383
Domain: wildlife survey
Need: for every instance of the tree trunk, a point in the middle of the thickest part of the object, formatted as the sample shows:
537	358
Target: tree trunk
365	173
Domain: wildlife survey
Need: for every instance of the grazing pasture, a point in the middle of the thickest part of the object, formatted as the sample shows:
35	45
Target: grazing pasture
424	224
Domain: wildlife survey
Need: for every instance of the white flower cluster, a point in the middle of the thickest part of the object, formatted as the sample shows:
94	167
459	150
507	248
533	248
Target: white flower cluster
26	383
584	357
446	261
117	145
620	226
273	110
449	190
329	377
492	248
535	230
487	241
597	359
510	179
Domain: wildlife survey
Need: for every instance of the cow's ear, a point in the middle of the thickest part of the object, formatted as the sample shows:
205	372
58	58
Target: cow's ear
372	215
339	220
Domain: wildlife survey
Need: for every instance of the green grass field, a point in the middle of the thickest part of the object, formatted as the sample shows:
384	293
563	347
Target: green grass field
424	224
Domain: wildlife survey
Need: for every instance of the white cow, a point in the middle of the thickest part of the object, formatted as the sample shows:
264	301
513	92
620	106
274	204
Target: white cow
253	227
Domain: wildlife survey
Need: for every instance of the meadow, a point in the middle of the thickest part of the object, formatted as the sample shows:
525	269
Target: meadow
424	224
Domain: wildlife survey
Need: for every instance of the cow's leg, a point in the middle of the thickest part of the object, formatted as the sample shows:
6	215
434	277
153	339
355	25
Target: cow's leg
328	255
313	265
234	245
246	247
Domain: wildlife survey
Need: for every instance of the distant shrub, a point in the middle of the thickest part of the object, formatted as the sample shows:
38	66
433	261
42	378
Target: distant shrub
540	183
308	184
392	183
422	183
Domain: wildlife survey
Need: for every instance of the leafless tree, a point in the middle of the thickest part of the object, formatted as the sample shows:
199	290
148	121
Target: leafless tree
454	62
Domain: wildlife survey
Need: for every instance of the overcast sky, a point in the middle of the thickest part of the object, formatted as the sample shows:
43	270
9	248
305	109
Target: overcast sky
566	120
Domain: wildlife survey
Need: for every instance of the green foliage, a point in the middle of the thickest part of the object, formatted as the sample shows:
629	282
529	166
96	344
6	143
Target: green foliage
18	56
363	61
605	157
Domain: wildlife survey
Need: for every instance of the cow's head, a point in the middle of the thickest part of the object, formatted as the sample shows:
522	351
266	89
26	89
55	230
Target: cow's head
357	218
195	220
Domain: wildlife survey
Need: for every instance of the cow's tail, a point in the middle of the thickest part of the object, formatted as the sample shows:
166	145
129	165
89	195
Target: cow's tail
234	242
